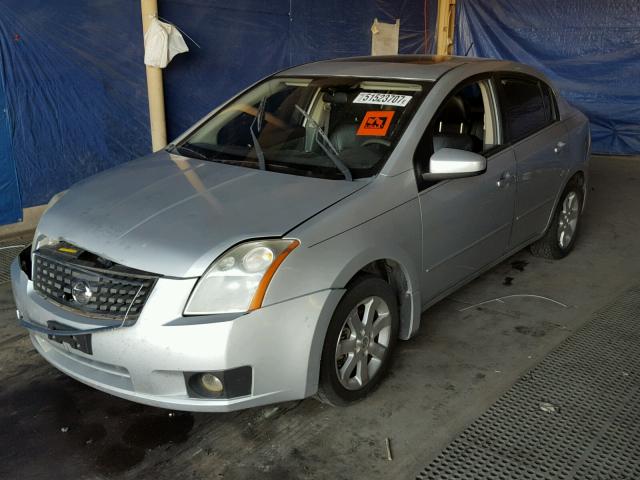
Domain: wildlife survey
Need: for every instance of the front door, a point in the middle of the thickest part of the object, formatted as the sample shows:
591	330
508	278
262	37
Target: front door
466	222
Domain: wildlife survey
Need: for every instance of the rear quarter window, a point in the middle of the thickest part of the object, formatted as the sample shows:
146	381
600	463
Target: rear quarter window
550	105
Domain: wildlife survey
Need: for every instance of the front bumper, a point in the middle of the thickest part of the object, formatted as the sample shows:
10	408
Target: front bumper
145	362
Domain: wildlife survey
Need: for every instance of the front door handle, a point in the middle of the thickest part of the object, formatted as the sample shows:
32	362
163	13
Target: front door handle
504	180
559	146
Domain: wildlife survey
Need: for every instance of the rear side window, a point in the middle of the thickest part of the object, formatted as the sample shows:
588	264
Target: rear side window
527	106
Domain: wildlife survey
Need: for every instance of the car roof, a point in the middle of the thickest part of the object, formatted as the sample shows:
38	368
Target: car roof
407	67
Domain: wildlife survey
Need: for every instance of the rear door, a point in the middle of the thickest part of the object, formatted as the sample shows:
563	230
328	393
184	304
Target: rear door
539	140
466	222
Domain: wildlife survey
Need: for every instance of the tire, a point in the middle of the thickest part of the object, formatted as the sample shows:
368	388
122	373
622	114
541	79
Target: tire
560	237
363	338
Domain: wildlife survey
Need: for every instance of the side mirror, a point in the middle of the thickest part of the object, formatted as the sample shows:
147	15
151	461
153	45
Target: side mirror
452	163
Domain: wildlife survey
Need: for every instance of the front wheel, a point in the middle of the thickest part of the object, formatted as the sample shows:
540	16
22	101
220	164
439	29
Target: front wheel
560	238
359	341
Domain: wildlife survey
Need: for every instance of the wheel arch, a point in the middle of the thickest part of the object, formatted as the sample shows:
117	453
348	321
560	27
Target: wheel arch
578	176
370	262
402	279
581	178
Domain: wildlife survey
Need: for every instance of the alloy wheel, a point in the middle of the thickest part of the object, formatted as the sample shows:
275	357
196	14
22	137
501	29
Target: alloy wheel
363	342
568	219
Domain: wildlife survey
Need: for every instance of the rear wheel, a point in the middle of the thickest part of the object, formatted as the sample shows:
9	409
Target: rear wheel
359	342
560	238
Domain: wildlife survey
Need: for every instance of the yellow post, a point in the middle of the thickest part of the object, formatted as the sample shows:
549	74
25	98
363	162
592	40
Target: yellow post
445	25
154	85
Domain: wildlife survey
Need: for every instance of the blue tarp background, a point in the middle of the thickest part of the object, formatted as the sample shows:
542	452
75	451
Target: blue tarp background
10	210
75	89
74	76
589	49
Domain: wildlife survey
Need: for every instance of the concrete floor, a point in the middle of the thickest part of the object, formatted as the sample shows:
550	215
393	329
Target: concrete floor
461	361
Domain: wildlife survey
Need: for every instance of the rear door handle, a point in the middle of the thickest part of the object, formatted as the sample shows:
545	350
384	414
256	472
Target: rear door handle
504	180
559	146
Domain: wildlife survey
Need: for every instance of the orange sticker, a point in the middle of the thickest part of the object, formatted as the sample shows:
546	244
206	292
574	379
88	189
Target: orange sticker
376	123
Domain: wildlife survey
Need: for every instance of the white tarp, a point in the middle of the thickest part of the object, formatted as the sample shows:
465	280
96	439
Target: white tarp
162	42
384	37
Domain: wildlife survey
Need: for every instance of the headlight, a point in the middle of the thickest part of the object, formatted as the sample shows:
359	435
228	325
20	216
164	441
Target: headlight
238	280
40	241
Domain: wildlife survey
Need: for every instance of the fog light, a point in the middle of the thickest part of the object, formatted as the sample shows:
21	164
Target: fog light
219	384
211	383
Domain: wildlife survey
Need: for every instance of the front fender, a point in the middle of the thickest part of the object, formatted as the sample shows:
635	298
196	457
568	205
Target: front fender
333	261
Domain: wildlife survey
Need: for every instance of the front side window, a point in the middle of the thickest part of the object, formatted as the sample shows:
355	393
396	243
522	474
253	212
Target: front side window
524	107
464	121
322	127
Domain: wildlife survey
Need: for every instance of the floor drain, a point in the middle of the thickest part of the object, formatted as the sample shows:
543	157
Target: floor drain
575	416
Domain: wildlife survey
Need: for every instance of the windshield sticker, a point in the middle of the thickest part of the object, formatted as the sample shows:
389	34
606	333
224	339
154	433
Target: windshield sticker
376	123
383	99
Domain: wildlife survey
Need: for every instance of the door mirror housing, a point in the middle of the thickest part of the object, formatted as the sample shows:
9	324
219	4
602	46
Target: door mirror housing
453	163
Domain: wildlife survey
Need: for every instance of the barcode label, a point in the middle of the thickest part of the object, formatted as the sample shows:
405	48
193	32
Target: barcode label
383	99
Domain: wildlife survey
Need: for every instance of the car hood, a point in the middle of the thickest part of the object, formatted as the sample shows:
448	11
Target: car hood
173	215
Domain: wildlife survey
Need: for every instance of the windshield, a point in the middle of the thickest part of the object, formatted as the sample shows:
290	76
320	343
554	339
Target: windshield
332	127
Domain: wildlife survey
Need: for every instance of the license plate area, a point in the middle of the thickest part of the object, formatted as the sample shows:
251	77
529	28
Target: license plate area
80	342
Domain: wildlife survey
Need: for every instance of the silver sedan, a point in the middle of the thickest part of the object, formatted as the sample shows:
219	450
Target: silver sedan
281	246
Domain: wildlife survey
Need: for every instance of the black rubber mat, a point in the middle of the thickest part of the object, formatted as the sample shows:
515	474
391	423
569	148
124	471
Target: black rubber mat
8	251
574	416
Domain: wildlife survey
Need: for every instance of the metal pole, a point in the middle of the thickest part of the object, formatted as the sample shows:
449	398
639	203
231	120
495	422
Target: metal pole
154	85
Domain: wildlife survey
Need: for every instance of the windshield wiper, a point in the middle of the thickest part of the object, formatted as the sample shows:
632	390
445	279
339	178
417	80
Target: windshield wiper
256	144
186	148
326	146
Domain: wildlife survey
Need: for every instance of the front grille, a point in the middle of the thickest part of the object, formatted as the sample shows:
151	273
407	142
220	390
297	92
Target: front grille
87	290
